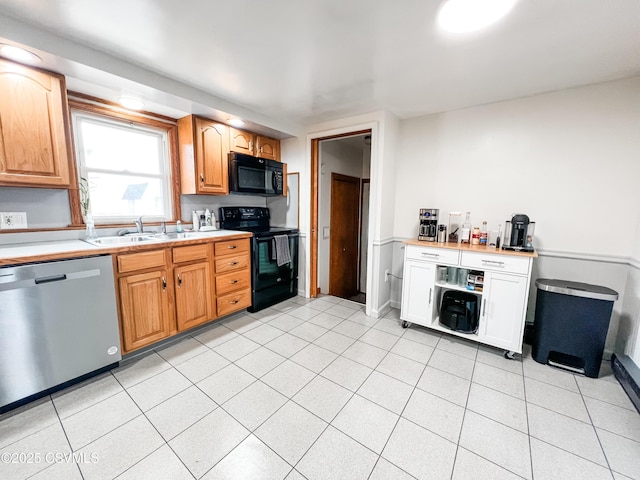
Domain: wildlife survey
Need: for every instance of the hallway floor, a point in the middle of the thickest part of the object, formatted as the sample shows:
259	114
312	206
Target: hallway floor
316	389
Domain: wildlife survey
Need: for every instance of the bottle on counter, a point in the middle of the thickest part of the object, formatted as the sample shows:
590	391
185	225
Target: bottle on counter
475	236
178	226
196	221
207	217
465	236
484	234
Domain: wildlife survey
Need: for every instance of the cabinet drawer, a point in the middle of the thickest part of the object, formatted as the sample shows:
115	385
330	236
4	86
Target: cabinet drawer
498	263
191	252
235	280
141	261
235	262
233	302
444	256
231	246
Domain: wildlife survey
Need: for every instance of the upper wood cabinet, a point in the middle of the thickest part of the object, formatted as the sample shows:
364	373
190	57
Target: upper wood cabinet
35	147
204	148
254	144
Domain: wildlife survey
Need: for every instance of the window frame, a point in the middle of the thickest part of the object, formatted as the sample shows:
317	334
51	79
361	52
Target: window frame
90	106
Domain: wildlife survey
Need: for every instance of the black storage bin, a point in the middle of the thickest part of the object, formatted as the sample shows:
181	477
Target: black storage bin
459	311
571	324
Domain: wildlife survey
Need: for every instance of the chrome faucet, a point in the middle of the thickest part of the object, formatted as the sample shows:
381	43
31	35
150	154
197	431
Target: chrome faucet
139	226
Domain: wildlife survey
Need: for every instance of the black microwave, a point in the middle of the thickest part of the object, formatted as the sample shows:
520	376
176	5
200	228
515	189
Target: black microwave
255	176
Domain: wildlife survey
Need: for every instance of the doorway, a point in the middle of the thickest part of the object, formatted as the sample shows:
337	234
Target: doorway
347	155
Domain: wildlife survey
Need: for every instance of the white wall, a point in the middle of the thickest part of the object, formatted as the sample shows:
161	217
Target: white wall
335	157
45	207
568	159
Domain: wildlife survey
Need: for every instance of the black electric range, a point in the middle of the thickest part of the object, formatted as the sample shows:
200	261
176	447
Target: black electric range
271	283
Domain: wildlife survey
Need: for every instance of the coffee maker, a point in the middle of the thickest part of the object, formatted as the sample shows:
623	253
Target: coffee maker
428	229
518	233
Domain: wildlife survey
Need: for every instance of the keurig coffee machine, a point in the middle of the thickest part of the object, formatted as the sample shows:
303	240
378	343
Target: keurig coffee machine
428	229
518	233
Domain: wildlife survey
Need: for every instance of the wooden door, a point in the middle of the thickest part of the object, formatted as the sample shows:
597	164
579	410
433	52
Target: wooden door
267	148
344	231
212	157
34	148
145	309
240	141
193	294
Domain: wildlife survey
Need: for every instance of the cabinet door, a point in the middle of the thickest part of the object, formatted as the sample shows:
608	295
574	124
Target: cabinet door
418	292
241	141
267	148
503	310
193	294
145	309
212	148
33	140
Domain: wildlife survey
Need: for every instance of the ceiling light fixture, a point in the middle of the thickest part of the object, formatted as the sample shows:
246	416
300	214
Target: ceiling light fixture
236	122
131	103
462	16
18	54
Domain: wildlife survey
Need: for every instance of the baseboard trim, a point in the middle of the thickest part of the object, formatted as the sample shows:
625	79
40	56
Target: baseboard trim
628	374
382	311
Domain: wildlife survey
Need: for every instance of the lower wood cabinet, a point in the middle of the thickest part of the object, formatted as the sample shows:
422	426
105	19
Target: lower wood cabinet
169	290
233	276
193	294
145	309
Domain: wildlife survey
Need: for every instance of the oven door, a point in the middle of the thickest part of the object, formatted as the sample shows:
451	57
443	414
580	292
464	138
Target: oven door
266	273
255	176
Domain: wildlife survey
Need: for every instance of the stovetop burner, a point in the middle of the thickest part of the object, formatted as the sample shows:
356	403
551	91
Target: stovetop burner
251	219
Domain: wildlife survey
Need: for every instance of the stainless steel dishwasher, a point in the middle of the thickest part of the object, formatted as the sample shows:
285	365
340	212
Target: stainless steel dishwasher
58	323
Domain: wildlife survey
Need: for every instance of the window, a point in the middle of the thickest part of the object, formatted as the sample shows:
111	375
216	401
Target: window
125	168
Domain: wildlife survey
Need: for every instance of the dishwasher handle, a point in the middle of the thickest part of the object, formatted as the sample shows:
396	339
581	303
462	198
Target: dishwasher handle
52	278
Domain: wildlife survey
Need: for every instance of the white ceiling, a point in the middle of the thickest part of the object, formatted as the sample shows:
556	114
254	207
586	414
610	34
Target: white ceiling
283	63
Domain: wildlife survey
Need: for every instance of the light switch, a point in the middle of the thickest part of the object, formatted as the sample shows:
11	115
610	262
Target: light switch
325	232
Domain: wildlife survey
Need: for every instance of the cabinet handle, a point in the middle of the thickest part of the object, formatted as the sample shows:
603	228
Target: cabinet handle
233	264
493	262
484	306
426	254
231	247
430	291
179	280
201	179
164	283
233	282
233	302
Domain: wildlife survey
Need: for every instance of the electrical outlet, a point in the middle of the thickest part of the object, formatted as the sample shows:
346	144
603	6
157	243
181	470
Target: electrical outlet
386	275
13	220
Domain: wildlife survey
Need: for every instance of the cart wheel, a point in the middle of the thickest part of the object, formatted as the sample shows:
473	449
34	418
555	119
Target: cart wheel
405	324
509	355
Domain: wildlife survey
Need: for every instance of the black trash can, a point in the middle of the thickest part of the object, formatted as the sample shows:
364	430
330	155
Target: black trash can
571	324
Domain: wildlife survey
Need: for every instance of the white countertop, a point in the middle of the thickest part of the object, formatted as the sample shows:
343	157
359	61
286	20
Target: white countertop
45	248
58	247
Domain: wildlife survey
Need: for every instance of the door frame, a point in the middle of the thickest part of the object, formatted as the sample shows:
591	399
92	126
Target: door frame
313	217
363	181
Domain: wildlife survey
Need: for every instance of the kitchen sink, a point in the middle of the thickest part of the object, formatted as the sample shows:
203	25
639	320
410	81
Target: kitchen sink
124	240
139	239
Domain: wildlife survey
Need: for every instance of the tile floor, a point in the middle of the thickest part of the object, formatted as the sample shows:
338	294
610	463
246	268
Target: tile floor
316	389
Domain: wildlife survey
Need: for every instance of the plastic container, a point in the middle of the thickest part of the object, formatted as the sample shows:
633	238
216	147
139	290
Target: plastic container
465	236
571	324
455	219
